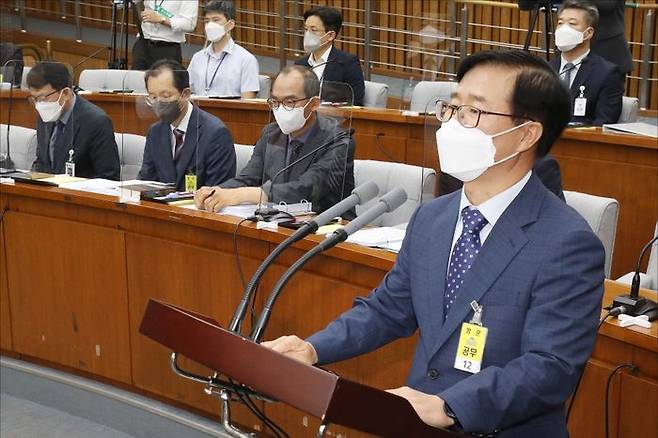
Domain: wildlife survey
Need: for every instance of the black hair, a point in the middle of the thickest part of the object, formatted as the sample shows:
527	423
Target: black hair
181	77
331	18
591	11
55	74
538	93
311	82
224	7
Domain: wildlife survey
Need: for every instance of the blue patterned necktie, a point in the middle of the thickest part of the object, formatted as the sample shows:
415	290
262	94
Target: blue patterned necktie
463	254
56	142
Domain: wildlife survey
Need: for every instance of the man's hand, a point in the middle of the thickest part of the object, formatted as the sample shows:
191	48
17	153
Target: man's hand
150	16
214	198
428	407
295	348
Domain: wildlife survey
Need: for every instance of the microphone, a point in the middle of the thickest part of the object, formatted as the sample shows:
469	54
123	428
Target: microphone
387	203
632	303
87	58
6	163
360	195
263	213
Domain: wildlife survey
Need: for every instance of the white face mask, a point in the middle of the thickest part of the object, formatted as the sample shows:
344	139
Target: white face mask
567	38
312	42
214	31
290	120
466	153
50	111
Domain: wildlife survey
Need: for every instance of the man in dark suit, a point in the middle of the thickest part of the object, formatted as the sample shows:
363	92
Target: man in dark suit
502	255
596	85
186	140
70	129
609	40
546	168
322	25
323	178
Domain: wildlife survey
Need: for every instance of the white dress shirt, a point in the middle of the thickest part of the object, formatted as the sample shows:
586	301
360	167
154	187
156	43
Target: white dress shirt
492	209
321	63
184	20
576	66
237	71
182	126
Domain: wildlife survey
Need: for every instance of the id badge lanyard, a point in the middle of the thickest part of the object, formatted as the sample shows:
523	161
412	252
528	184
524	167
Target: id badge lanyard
219	64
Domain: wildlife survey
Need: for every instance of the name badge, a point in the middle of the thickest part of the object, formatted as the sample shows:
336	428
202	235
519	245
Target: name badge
472	341
69	166
580	104
190	183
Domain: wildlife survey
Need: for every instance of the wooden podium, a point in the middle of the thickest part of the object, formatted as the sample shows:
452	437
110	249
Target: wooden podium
310	389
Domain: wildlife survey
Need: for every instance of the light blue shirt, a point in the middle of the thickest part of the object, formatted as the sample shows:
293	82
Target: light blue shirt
237	71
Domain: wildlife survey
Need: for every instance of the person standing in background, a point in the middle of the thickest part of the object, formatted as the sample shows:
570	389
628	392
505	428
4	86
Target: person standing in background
163	26
224	68
609	40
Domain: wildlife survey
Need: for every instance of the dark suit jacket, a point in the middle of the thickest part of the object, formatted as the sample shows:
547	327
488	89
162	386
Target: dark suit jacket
604	88
539	277
324	178
609	39
341	67
546	168
208	152
90	134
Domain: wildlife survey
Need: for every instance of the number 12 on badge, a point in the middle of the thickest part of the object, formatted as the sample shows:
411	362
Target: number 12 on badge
470	350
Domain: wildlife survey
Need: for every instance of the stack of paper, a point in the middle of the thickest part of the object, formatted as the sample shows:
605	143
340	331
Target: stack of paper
380	237
640	128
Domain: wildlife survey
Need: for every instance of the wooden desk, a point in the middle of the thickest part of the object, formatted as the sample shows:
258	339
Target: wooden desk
624	167
76	271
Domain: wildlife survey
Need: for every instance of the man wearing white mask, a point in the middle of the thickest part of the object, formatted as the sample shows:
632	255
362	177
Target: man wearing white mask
70	129
323	178
321	27
224	68
596	85
501	280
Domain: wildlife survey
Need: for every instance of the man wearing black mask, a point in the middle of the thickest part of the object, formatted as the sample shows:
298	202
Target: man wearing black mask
186	140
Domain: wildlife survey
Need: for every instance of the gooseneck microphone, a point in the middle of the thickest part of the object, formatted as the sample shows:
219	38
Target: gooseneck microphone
387	203
360	195
633	304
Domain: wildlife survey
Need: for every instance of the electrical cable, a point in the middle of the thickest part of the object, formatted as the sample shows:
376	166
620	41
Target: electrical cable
632	368
580	378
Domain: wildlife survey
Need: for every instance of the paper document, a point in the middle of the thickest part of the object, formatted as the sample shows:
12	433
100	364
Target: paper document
640	128
95	185
380	237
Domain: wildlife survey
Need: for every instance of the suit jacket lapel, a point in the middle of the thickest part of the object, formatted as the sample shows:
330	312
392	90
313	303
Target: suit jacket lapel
163	156
502	245
436	266
188	156
331	66
313	141
275	157
70	134
585	69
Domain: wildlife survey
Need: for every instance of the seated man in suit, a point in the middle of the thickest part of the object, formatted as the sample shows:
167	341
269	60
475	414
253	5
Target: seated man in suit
502	255
186	140
324	178
322	25
596	85
546	168
69	127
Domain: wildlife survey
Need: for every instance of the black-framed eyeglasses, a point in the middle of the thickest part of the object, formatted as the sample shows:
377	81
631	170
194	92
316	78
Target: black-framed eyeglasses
467	115
288	103
34	100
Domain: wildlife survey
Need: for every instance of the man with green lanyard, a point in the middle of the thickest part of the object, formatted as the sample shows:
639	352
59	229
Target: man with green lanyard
163	27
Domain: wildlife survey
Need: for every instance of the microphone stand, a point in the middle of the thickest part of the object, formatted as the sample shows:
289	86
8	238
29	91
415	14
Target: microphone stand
6	163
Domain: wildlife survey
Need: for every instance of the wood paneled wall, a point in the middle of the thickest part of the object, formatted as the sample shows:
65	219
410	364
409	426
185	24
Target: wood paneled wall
397	47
